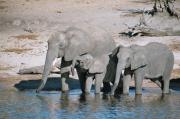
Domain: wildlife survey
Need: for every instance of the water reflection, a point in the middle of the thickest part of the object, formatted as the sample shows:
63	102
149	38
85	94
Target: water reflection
52	105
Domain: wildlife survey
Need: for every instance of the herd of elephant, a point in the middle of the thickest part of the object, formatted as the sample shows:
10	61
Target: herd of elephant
95	56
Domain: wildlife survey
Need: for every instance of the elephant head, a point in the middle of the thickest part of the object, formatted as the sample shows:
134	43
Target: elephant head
56	45
129	57
93	65
84	61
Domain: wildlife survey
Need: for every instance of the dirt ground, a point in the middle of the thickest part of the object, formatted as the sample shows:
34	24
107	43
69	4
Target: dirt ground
25	26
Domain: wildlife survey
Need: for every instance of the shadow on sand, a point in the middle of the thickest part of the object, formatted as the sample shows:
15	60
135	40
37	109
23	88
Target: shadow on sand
51	84
175	84
55	84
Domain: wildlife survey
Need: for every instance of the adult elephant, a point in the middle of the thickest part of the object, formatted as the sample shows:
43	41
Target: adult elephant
153	61
72	42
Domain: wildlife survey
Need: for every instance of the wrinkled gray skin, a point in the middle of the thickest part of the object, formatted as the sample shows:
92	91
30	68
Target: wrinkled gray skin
72	42
153	61
95	68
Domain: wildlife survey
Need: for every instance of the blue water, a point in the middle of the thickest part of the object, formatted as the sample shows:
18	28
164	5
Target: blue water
56	105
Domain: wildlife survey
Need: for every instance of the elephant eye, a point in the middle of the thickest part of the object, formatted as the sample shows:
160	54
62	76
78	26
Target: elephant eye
61	46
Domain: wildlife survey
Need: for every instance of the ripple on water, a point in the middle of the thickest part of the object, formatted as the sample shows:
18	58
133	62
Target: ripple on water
52	105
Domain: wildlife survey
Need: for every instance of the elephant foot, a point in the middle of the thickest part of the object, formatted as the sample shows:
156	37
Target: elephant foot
87	92
65	86
166	92
65	91
125	94
84	96
112	93
97	93
138	93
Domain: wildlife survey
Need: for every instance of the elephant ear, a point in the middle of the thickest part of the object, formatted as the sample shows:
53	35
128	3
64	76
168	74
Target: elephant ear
88	60
73	49
77	44
138	59
99	64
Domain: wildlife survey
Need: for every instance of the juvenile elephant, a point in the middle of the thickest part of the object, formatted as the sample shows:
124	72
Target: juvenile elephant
94	68
153	61
72	42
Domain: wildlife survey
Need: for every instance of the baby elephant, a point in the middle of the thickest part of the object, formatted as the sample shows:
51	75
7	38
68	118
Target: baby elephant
93	69
153	61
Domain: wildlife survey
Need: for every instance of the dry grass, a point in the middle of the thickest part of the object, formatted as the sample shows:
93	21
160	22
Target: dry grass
17	50
175	46
26	37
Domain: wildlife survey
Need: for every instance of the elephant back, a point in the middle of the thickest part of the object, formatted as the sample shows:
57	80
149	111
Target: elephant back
158	56
101	41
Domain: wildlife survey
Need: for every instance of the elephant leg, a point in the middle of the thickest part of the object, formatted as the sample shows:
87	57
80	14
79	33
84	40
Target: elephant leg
82	79
89	82
126	81
139	76
98	82
166	86
65	86
166	79
165	83
65	75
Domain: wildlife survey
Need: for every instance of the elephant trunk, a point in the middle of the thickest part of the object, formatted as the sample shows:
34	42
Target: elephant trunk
52	53
117	78
73	65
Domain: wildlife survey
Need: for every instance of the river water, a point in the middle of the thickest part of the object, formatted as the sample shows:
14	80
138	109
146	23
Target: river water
16	104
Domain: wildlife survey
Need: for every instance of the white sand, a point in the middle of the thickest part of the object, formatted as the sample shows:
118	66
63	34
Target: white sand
42	17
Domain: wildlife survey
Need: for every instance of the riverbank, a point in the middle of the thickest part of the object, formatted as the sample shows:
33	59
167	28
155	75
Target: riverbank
27	24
